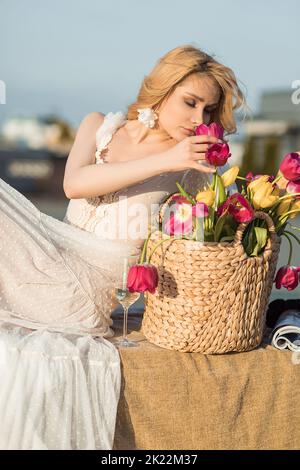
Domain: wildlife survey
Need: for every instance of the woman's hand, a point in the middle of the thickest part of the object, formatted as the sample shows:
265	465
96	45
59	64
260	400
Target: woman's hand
190	153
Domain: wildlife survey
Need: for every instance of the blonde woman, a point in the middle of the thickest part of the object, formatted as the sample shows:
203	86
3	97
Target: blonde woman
59	385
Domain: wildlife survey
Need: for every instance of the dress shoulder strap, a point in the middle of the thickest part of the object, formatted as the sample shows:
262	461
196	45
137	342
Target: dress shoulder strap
112	121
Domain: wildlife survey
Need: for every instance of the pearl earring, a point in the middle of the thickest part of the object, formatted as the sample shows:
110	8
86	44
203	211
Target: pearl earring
147	117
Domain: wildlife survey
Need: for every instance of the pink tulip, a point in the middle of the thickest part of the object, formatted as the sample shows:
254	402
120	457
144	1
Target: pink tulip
290	166
213	129
180	222
238	207
293	187
288	277
200	210
173	226
249	176
142	277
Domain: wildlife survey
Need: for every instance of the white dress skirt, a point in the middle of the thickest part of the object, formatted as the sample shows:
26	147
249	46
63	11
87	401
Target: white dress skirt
60	377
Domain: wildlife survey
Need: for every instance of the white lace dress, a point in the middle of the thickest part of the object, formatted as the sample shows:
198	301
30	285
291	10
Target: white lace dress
60	377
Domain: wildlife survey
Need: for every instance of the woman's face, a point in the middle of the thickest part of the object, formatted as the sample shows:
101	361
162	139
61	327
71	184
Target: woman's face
191	104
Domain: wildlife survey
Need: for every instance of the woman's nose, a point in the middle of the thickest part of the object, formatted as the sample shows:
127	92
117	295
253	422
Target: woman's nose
198	119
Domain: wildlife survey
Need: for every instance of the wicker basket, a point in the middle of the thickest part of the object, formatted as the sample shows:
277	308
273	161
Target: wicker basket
211	297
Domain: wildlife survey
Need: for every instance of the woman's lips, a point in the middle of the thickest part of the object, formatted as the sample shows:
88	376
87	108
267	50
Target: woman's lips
188	131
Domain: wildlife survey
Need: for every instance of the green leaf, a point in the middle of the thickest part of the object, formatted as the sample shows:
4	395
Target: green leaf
220	190
211	215
261	235
185	194
199	230
229	230
248	238
208	236
219	226
227	239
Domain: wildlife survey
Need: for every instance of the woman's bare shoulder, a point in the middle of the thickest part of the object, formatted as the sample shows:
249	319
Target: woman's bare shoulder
89	125
94	117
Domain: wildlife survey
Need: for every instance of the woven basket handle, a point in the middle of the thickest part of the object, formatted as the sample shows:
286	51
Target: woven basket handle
257	215
165	205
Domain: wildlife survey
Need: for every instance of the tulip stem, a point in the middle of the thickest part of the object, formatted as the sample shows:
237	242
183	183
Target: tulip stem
156	246
144	250
241	178
292	235
291	248
141	261
287	213
295	228
277	179
290	195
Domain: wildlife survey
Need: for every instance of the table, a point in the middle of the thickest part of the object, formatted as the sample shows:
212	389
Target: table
173	400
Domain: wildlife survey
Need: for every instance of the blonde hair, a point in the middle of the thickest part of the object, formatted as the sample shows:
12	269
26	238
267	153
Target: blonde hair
174	67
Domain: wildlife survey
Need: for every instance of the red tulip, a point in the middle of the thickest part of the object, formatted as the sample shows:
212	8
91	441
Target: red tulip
238	207
290	166
288	277
293	187
217	154
142	277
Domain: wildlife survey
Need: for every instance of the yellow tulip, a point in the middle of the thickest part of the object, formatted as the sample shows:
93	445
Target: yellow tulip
208	197
254	185
295	206
230	175
284	206
265	195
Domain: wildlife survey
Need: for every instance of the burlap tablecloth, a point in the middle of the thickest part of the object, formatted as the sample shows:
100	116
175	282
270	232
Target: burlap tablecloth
172	400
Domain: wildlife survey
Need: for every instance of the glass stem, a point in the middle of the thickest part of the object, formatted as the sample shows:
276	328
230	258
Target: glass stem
125	322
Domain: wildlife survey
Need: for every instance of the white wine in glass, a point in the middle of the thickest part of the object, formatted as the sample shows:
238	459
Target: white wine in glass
126	299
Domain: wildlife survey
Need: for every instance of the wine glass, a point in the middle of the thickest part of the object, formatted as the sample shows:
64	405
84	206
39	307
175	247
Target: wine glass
125	298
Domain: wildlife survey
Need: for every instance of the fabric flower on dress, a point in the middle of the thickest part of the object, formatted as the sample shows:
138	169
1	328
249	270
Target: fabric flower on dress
112	121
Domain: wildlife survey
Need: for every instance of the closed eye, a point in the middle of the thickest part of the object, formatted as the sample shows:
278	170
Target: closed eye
193	105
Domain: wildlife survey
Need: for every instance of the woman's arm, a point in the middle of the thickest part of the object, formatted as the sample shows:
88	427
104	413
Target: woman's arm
83	178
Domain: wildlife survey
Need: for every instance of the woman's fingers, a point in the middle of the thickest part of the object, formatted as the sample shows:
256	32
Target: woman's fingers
205	168
200	147
199	139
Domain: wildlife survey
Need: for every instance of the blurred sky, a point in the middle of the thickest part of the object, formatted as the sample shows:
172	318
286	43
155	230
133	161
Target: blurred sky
75	56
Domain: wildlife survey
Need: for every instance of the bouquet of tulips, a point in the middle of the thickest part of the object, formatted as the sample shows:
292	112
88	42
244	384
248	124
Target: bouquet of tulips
214	213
